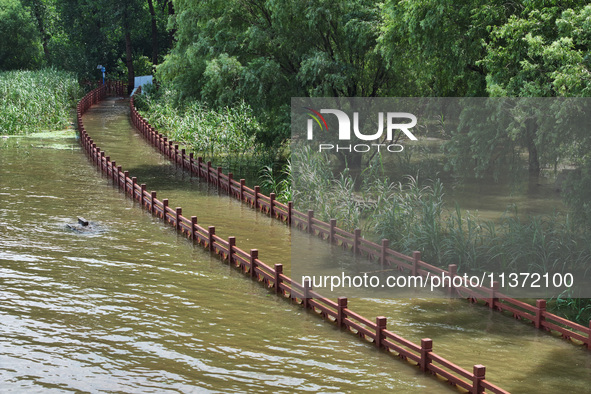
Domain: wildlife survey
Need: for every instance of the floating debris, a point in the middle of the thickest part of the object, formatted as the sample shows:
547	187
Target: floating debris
84	226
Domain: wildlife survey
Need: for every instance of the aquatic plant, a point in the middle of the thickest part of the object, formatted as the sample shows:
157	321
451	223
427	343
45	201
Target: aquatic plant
226	136
574	309
412	215
279	184
33	101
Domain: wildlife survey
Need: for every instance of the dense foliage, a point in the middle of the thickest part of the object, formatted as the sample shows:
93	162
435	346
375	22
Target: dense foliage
36	100
127	37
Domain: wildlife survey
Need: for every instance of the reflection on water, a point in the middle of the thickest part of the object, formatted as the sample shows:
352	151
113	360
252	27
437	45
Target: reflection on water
138	309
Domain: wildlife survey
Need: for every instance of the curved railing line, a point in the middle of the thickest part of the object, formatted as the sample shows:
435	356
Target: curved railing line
273	277
492	297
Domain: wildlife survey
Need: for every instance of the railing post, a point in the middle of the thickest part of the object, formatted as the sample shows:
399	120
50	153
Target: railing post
219	180
133	184
310	216
152	198
193	228
231	244
230	178
199	162
493	291
191	160
356	241
341	315
176	154
380	327
254	254
114	170
383	251
177	220
333	225
416	255
306	293
209	172
278	272
242	181
540	309
479	372
164	206
426	348
183	157
257	190
119	177
289	209
143	190
272	204
452	269
211	231
125	176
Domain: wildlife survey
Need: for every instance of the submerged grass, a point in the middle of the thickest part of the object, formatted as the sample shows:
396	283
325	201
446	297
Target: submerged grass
32	101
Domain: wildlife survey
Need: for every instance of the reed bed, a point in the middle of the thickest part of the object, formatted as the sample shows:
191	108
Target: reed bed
413	216
225	136
32	101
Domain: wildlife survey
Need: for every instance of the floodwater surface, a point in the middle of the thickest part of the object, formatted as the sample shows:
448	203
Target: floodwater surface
133	307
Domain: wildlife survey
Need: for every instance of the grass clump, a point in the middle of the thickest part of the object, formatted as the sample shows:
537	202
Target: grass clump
32	101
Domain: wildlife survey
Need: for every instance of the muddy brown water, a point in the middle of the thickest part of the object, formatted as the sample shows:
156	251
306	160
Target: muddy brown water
134	307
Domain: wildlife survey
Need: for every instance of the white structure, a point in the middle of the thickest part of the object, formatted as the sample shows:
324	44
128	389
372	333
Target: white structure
141	81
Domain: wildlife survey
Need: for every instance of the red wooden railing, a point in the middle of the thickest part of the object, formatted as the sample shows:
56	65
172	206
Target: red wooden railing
354	242
249	262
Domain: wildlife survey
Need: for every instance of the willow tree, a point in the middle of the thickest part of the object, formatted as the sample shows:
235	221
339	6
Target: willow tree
266	51
541	52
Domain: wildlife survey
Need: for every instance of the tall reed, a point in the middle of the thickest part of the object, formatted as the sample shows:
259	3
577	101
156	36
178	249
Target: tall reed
226	136
33	101
413	216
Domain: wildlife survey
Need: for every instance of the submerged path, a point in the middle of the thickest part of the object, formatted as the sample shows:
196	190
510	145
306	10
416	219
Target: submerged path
506	347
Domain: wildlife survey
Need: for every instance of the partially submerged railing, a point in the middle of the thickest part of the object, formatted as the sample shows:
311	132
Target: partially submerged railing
354	242
249	263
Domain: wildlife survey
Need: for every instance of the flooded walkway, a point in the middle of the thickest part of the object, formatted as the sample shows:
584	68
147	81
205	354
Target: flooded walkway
136	308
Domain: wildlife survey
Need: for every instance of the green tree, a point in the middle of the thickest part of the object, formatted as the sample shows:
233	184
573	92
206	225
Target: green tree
266	51
20	46
110	33
540	51
436	44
